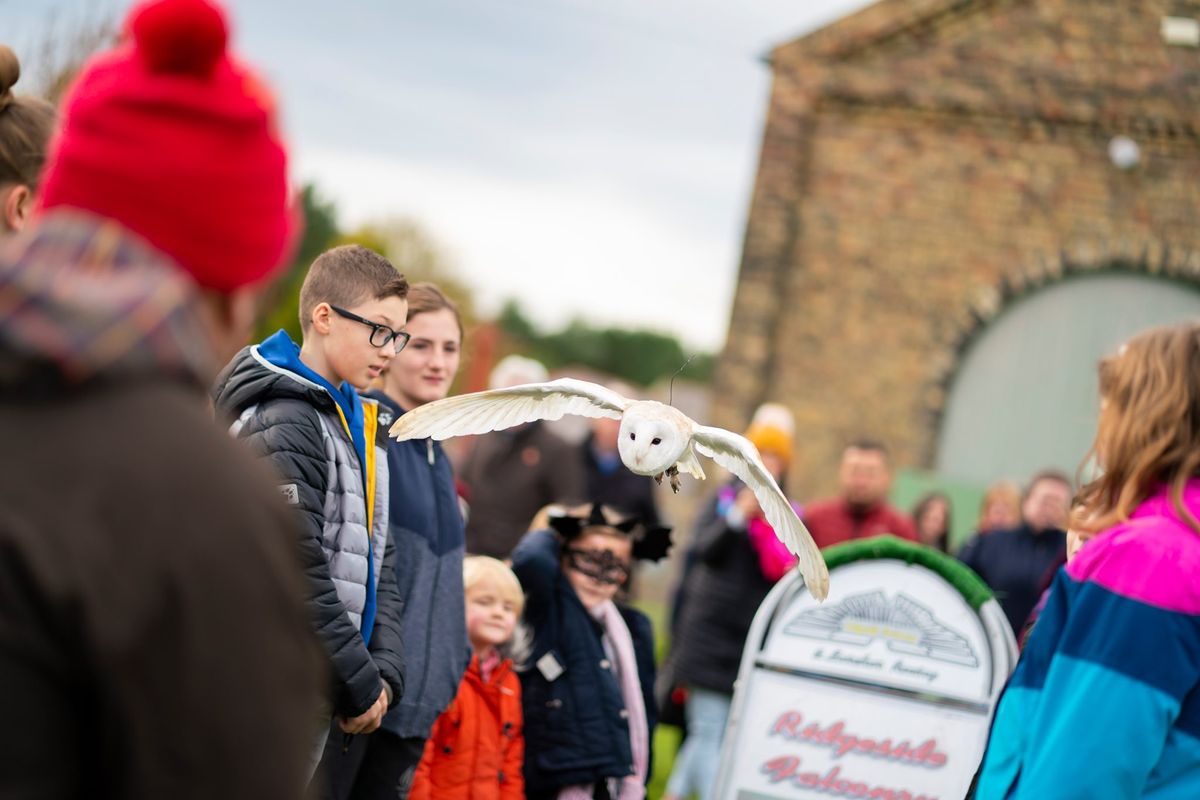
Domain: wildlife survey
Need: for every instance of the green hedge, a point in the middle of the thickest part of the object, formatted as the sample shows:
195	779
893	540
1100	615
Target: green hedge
958	575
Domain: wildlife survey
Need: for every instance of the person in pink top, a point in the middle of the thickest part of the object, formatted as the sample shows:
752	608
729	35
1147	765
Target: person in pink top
861	509
733	561
1111	670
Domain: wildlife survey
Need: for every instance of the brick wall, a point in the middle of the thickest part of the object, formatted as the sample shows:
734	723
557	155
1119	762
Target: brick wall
910	183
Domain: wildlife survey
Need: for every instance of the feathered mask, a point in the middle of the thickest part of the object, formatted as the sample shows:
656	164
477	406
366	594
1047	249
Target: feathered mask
650	542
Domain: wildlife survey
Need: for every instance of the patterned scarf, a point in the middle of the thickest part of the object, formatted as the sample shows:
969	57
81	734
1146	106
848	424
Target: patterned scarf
83	299
631	787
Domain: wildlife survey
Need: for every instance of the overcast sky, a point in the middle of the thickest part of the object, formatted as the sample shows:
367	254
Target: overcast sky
588	157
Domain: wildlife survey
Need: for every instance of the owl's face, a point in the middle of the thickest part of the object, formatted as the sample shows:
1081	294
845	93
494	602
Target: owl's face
648	446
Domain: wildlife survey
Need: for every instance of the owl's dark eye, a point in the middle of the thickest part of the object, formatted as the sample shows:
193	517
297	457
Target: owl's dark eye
656	440
633	437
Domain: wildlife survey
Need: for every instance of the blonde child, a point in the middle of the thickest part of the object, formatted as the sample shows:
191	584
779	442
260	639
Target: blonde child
476	750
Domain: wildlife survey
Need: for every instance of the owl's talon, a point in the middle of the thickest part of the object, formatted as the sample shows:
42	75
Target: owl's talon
673	474
658	479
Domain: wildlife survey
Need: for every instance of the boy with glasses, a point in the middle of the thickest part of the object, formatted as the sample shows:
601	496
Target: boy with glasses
298	407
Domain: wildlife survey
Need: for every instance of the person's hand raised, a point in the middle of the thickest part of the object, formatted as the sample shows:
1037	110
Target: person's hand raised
747	503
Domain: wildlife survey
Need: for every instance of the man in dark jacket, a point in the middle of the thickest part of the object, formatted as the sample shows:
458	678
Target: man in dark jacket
153	637
1016	563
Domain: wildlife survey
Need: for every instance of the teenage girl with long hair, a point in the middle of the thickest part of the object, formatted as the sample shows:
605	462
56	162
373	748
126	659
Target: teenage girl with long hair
1104	702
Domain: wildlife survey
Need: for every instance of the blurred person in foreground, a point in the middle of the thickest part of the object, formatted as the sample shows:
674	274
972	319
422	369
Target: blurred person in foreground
1016	563
153	635
861	509
511	474
26	124
1112	667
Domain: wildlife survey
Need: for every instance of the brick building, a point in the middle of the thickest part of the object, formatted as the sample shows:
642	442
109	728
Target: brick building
959	206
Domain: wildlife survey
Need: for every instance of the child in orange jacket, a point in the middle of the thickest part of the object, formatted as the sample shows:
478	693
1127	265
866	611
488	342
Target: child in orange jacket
476	750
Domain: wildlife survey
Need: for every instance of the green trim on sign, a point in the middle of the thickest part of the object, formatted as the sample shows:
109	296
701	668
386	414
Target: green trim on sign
957	574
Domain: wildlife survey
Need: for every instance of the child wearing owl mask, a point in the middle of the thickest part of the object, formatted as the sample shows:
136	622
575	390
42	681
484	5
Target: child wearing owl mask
588	690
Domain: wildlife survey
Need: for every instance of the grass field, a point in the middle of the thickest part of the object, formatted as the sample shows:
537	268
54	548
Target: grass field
666	744
666	737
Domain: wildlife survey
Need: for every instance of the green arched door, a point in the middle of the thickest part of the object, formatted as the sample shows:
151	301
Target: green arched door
1024	397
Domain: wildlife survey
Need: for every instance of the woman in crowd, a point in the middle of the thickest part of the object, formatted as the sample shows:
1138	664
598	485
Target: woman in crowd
931	516
1116	650
427	526
26	124
1000	509
588	690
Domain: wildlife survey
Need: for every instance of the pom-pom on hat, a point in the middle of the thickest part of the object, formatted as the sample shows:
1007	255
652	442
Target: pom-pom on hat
772	431
168	135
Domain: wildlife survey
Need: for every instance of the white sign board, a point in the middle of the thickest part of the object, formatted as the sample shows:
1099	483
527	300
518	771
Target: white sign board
888	623
885	690
815	739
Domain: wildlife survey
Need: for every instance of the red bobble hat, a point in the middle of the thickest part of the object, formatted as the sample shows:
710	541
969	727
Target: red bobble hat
169	136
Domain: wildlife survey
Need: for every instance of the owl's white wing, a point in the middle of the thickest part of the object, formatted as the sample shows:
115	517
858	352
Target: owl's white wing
496	409
736	454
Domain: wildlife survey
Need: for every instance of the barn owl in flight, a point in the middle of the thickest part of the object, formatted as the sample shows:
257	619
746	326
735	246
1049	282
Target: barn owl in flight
655	439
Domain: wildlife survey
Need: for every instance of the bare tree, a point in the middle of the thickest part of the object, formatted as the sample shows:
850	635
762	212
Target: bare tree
63	42
419	255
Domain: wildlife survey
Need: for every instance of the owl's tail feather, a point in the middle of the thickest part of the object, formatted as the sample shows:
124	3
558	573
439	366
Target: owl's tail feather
690	464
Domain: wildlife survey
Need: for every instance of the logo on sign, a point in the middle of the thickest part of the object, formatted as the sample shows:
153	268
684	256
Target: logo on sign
904	624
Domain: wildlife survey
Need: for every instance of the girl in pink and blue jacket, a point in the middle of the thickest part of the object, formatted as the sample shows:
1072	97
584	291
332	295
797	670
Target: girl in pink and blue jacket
1105	702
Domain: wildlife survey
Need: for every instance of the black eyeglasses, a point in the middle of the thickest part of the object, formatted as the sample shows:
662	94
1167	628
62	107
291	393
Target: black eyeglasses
381	335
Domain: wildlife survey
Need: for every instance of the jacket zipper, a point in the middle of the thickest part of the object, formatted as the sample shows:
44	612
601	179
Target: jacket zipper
437	573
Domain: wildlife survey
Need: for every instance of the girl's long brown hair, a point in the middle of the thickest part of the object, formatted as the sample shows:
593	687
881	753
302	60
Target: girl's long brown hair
1149	430
424	297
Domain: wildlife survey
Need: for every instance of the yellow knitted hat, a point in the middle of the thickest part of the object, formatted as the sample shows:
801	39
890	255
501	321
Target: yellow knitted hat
772	430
